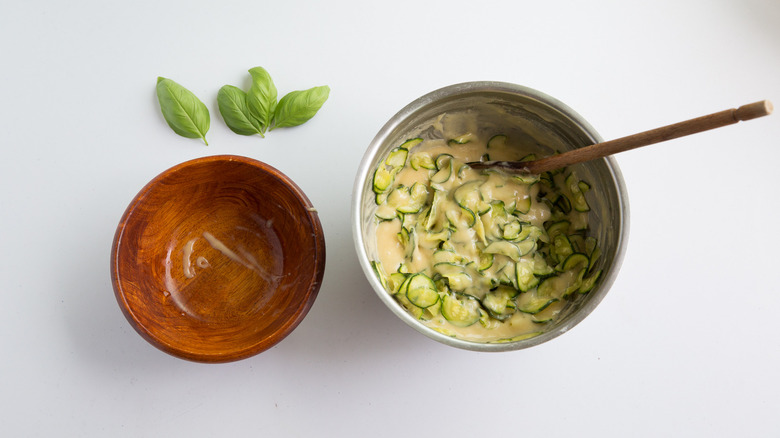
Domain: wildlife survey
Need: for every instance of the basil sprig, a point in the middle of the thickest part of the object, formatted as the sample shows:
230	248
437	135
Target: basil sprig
246	113
297	107
233	106
261	97
257	111
183	111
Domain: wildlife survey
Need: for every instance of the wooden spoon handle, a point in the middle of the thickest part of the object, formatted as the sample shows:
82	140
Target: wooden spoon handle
681	129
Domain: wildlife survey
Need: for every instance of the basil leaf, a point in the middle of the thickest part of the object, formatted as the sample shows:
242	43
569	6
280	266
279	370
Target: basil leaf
184	112
261	98
235	112
297	107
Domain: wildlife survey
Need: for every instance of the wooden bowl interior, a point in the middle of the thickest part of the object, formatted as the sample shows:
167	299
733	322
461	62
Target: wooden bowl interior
218	259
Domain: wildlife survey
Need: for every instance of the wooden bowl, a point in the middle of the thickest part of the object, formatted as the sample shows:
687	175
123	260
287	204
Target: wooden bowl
218	259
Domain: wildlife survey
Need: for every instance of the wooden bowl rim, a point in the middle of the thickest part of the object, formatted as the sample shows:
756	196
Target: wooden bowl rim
247	350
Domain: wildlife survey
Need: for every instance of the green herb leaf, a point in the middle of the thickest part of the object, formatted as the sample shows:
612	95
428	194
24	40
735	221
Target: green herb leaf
184	112
297	107
235	112
261	98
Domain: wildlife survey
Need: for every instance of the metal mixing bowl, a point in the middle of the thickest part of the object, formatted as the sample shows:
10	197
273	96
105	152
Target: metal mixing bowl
549	125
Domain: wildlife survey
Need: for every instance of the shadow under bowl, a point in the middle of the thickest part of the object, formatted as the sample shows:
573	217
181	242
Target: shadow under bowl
218	259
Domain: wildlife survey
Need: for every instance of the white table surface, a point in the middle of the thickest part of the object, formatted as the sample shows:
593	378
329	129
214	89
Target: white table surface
687	342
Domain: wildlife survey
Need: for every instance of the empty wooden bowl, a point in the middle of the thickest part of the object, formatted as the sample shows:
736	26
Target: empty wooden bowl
218	259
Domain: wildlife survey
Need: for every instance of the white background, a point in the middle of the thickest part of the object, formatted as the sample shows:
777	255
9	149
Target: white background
687	342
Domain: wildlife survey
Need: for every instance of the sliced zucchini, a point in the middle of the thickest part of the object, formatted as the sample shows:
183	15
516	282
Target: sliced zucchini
497	141
468	196
459	217
485	262
528	180
418	194
578	201
593	250
511	230
510	206
506	275
395	280
380	273
577	242
498	209
446	269
443	160
547	287
460	311
433	216
447	256
561	247
397	197
517	338
522	206
537	320
488	322
524	275
529	232
574	284
461	139
397	158
403	236
447	244
412	142
549	313
483	207
386	212
589	282
422	160
532	304
408	220
431	312
462	171
508	249
563	204
499	303
529	157
457	277
547	180
526	246
575	261
540	267
479	230
512	250
415	311
459	281
444	169
560	286
410	245
440	236
383	178
421	291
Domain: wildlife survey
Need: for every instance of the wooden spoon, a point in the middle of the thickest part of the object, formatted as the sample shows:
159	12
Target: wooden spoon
601	150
